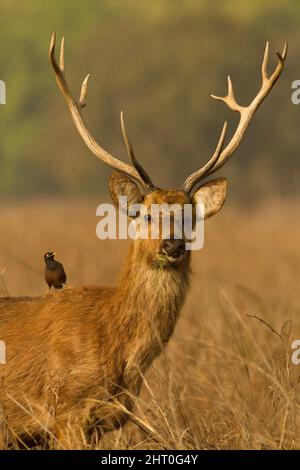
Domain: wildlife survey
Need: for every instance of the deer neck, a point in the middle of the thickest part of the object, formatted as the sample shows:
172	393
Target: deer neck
150	298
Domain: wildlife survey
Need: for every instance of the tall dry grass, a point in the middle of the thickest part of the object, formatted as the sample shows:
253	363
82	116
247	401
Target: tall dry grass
226	380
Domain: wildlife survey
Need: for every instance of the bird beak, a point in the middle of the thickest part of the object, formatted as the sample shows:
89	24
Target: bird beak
53	253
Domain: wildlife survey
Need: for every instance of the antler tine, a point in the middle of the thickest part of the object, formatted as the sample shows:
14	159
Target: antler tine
277	71
75	109
229	99
144	175
83	93
264	65
198	175
282	56
62	55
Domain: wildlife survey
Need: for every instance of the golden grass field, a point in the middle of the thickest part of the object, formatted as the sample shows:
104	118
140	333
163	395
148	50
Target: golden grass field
226	380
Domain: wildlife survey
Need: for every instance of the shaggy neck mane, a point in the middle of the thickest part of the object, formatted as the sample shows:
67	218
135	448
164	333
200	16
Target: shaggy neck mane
149	300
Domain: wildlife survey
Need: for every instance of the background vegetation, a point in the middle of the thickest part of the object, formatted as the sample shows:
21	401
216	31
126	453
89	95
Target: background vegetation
226	379
159	61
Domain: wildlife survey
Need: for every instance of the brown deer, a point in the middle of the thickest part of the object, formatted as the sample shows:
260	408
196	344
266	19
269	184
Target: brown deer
75	359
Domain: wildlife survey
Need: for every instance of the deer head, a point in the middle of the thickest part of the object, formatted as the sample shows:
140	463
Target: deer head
124	182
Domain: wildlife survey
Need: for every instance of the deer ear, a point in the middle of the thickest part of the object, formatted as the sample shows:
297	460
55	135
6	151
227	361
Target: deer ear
120	185
212	195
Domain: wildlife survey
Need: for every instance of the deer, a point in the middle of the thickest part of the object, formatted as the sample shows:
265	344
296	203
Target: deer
76	359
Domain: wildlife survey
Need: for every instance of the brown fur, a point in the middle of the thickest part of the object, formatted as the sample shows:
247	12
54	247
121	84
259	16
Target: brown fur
71	355
76	358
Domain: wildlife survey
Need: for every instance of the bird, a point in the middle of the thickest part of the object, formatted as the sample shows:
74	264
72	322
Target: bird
55	275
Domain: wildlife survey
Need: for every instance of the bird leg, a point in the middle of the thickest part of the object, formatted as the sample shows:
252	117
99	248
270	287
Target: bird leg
47	292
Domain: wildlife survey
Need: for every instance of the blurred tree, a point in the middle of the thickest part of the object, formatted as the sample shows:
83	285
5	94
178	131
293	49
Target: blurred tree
159	61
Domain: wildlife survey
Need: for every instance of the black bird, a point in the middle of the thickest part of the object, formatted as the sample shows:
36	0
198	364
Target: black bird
55	275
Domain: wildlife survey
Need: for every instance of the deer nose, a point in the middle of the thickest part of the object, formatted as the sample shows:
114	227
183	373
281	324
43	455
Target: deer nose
173	247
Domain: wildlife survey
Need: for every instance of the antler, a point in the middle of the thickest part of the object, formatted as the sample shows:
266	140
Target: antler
246	112
136	171
194	178
145	177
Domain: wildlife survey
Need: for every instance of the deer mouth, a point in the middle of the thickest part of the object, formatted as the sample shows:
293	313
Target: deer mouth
164	259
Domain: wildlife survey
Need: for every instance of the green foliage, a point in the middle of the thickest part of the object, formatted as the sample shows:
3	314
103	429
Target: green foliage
159	61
